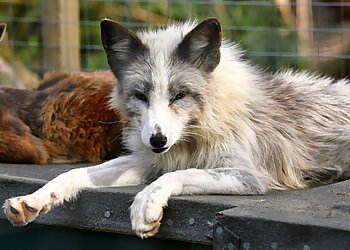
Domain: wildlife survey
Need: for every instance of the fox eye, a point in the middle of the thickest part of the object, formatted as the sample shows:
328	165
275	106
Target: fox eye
179	96
141	96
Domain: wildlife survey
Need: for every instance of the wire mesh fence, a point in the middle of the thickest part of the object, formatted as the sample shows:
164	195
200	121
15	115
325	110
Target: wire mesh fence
64	34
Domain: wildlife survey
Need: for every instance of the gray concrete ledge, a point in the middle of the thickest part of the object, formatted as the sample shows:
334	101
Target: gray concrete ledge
317	218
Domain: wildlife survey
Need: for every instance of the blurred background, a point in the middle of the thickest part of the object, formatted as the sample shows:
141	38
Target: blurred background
63	35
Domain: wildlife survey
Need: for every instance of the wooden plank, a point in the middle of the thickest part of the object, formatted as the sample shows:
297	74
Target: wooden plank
2	30
61	35
304	24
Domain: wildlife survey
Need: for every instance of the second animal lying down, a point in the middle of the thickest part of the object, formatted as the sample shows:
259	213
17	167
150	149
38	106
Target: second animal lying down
208	119
65	119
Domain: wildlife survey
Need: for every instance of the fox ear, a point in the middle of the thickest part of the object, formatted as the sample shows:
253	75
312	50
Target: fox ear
201	47
2	30
121	45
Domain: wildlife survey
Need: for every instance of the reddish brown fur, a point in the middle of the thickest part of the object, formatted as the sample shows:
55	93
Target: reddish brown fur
66	119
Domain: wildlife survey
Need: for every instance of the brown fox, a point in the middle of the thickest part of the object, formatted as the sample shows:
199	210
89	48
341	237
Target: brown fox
65	119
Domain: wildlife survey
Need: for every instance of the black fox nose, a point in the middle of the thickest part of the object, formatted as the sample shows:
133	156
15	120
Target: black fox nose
158	140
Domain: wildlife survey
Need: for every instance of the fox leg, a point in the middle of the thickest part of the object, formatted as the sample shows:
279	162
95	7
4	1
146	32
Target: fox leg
147	208
22	148
122	171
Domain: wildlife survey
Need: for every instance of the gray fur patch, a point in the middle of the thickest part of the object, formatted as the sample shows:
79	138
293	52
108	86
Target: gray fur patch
108	175
251	182
188	80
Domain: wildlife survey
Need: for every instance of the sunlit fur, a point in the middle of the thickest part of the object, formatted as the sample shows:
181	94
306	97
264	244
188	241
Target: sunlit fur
292	126
237	129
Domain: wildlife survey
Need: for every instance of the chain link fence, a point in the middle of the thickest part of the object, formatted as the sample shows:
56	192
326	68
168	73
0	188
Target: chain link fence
64	34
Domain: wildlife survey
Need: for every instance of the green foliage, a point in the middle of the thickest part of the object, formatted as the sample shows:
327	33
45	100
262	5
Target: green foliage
258	27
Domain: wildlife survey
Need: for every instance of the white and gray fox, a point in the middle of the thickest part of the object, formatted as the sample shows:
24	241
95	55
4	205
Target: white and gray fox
210	121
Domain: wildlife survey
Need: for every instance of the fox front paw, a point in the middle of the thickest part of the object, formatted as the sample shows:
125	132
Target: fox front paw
145	215
22	210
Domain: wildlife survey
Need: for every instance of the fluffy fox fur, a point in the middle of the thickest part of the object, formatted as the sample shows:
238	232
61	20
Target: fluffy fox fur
211	121
65	119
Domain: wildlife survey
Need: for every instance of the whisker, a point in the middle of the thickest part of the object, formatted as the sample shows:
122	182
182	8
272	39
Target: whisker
116	137
197	127
111	122
191	133
184	139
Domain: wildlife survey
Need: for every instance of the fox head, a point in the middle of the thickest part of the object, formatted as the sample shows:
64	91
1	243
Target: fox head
162	77
2	30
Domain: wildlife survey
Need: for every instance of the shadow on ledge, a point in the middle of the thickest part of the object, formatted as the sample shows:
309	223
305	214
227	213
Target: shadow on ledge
42	237
317	218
